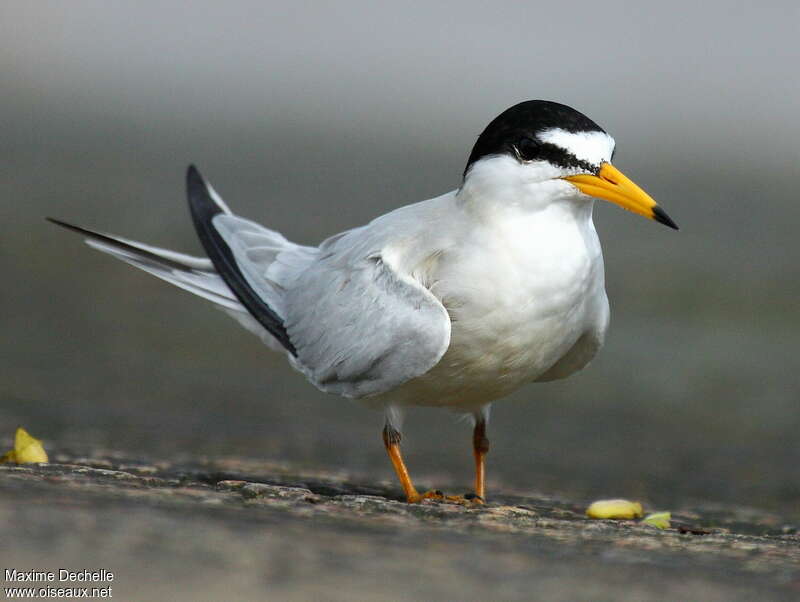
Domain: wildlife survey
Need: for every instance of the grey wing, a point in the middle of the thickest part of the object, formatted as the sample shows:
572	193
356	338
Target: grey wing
353	324
362	328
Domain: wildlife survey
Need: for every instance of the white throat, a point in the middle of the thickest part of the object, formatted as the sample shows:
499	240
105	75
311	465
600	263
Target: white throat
500	184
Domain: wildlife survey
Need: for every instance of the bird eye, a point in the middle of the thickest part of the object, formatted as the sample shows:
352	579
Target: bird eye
527	149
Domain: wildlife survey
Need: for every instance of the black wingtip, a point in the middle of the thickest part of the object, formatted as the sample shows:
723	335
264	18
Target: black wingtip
194	179
204	208
202	205
662	218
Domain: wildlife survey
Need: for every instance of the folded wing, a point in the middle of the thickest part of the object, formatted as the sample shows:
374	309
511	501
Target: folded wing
359	326
354	325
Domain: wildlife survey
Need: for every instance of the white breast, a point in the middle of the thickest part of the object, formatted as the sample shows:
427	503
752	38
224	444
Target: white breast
521	291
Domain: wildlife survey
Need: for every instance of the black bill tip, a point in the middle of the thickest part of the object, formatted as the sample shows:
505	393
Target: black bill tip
662	218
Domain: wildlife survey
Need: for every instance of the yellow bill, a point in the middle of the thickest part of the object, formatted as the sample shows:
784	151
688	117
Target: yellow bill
610	184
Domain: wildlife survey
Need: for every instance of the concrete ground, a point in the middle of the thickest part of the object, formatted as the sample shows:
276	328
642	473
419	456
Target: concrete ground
233	529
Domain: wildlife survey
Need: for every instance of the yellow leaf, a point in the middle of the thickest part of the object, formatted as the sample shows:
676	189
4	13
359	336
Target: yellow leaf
27	449
619	509
8	457
660	520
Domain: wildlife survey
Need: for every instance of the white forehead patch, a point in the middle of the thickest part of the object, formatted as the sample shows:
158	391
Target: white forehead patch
593	147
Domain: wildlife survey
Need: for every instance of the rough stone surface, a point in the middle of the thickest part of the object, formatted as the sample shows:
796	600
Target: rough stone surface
238	530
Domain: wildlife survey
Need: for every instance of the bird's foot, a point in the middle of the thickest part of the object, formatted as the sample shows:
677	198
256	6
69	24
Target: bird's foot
433	494
468	499
474	498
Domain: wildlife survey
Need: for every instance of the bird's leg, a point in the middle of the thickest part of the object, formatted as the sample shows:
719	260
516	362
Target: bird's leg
391	439
480	447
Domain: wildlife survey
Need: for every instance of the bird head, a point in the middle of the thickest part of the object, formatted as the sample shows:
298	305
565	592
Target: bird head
554	152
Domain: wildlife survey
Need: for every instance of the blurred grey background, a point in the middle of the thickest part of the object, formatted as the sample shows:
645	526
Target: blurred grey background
314	117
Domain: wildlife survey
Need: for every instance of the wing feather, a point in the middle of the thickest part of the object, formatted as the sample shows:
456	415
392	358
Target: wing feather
206	206
362	328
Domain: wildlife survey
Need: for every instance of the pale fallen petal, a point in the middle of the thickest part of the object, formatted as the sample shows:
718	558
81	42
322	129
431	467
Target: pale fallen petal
619	509
660	520
27	449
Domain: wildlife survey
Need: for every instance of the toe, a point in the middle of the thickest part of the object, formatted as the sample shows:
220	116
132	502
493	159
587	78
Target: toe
433	494
474	498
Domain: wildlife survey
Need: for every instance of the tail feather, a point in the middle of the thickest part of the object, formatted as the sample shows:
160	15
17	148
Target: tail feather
194	274
236	275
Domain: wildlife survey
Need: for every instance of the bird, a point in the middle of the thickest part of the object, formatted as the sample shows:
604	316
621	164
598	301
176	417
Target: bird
451	302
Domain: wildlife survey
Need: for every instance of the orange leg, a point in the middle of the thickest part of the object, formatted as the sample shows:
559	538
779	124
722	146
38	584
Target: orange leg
391	439
480	447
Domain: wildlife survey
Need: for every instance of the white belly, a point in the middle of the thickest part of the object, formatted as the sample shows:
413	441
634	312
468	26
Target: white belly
521	299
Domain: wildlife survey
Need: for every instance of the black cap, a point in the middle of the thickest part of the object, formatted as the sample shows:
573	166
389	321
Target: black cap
515	131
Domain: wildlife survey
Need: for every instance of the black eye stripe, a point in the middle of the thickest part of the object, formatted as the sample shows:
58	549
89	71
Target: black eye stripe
528	148
547	151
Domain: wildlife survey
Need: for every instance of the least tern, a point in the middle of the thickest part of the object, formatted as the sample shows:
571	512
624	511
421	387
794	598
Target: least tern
452	302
